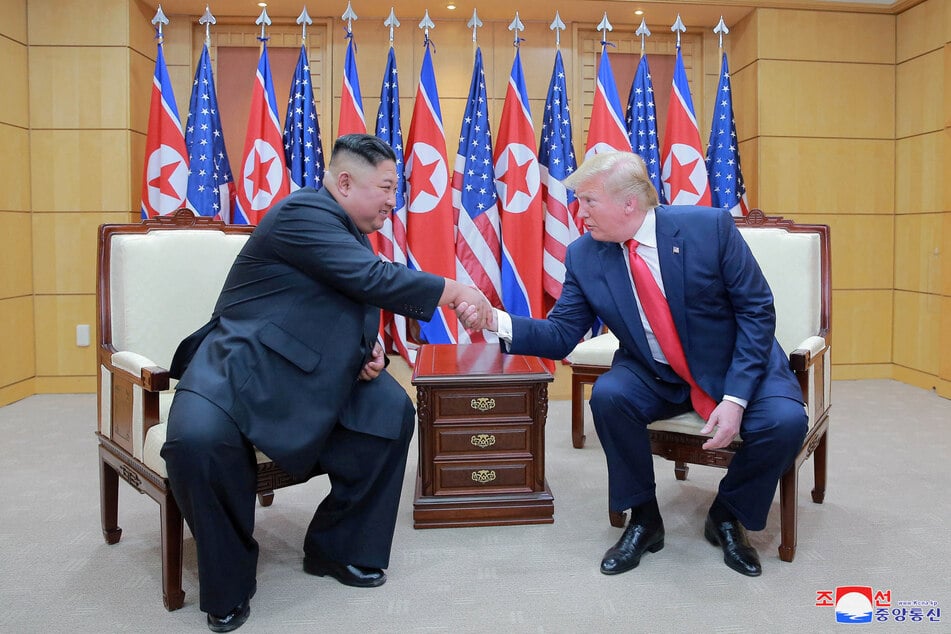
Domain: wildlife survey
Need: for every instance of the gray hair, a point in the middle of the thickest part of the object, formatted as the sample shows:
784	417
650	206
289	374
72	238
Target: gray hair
623	174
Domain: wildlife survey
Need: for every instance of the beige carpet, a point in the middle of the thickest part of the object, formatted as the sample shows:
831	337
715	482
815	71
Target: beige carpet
884	524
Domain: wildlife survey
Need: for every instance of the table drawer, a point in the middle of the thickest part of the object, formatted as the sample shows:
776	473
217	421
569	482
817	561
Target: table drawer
495	476
454	441
483	404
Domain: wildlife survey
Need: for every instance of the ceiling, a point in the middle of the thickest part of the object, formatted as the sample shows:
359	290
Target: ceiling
656	13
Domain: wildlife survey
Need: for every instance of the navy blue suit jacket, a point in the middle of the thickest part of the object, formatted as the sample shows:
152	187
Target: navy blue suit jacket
294	325
718	297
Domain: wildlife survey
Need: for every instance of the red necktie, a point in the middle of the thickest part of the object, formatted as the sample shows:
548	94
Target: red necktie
662	323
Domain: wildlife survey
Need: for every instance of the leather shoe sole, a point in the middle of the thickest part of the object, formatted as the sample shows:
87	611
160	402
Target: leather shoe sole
627	552
738	554
347	574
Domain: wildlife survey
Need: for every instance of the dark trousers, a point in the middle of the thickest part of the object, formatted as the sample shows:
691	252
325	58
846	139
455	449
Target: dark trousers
772	429
213	474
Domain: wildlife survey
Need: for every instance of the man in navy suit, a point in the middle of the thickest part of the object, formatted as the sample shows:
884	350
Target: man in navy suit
290	364
723	311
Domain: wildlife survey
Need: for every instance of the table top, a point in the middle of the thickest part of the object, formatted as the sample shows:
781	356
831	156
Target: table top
476	363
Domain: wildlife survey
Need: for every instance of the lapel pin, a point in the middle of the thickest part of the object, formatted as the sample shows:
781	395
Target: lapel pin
676	249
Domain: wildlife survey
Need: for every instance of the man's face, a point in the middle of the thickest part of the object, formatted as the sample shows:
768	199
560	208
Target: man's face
372	195
606	215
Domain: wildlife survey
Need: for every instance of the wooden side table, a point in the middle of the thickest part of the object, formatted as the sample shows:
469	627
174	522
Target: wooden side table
481	438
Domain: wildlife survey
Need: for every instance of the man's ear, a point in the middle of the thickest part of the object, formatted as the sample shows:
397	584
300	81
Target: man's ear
344	182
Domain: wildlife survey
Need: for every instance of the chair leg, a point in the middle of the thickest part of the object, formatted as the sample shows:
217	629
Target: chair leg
577	413
172	530
618	518
266	498
109	502
819	460
788	493
680	470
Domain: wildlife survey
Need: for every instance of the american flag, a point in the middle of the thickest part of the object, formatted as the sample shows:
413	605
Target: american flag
211	190
302	146
519	185
393	234
606	131
165	176
727	189
264	179
556	160
642	123
684	172
429	228
478	243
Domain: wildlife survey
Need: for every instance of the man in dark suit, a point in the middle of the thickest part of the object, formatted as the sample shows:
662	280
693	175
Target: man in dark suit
290	364
722	309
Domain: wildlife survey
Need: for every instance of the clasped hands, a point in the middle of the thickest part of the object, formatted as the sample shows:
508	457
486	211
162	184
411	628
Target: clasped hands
474	311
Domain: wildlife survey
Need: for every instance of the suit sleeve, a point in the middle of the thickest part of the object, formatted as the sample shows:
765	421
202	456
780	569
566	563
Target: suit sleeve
319	244
755	316
568	321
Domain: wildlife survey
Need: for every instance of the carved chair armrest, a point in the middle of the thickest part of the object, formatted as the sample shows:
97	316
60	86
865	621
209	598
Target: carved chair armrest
129	401
807	354
144	372
812	366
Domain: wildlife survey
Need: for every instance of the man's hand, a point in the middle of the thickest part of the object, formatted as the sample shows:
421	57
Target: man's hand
472	308
726	418
471	318
375	365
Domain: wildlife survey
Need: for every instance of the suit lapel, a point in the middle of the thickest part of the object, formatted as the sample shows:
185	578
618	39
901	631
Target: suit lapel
670	252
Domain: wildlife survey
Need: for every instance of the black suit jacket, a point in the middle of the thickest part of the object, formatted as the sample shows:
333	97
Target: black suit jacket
295	323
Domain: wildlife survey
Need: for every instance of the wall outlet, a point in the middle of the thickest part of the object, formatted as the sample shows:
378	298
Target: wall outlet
82	335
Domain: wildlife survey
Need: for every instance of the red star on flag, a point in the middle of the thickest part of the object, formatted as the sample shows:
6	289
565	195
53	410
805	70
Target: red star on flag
259	175
680	174
164	180
421	180
515	177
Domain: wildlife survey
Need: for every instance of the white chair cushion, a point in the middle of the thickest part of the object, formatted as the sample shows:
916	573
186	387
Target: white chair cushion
595	351
152	313
791	263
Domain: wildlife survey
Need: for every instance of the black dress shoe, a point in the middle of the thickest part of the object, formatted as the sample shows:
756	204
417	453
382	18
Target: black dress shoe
234	619
636	540
347	574
738	554
231	621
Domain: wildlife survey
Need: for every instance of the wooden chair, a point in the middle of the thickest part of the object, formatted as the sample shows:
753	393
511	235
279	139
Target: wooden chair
157	283
796	261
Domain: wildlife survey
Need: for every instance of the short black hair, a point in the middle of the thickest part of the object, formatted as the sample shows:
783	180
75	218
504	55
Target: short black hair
371	149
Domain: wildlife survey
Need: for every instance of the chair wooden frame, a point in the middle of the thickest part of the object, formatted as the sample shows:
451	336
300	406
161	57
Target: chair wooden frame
116	456
685	448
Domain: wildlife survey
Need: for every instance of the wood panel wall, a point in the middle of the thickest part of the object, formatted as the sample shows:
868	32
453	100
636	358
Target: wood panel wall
921	335
17	339
843	119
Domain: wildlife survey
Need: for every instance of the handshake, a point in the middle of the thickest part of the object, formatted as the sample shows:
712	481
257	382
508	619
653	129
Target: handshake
472	308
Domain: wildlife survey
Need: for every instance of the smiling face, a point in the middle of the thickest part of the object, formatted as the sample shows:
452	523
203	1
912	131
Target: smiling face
609	216
368	193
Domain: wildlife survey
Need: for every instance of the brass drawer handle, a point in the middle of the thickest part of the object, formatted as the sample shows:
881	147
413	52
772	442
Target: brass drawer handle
483	476
482	440
482	404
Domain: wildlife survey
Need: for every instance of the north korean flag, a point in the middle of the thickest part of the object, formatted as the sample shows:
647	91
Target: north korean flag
263	175
165	177
684	173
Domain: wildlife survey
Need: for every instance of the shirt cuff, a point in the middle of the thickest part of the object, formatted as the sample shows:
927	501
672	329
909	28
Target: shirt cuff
504	331
734	399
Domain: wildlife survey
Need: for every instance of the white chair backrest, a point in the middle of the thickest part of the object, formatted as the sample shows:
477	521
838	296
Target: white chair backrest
792	264
164	285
